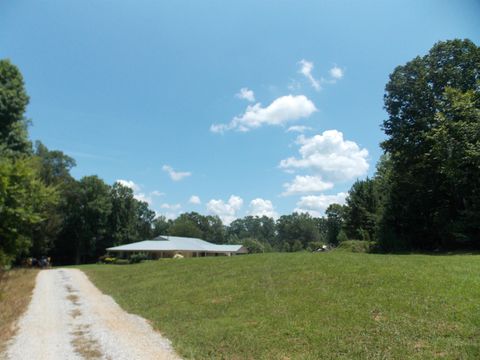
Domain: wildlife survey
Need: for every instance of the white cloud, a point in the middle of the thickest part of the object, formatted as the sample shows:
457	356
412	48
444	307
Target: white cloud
262	207
157	193
316	205
246	94
175	175
227	211
330	156
306	184
129	183
194	199
306	68
172	207
299	128
281	111
336	73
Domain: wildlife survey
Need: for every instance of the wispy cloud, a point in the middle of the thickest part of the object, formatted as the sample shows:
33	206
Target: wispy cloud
246	94
299	128
306	68
175	175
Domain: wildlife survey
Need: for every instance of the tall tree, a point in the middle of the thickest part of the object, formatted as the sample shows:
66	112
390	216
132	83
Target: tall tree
13	104
415	98
87	212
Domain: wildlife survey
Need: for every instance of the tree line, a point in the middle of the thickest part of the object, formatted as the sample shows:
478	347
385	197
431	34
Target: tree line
424	195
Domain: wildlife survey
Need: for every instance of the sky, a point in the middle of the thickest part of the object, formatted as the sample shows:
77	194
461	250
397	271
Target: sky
229	108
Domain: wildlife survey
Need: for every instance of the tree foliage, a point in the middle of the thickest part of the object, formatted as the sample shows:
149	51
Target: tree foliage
432	141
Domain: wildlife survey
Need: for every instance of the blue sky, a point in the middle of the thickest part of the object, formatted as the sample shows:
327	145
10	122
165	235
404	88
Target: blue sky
149	92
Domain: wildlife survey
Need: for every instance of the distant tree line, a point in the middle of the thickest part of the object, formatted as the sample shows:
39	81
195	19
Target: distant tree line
425	194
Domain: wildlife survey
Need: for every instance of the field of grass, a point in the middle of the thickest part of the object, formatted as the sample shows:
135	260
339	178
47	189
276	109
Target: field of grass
335	305
16	288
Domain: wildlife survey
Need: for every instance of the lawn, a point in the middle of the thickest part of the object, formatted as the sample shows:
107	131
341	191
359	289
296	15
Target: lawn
335	305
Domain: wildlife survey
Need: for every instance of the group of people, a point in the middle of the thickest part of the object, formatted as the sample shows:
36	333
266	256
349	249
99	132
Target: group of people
43	263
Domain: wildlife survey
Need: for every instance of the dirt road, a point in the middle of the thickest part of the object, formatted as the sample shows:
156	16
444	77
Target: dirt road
69	318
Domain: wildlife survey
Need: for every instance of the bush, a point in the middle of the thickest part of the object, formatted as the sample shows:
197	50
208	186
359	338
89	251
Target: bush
121	262
136	258
107	259
357	246
253	245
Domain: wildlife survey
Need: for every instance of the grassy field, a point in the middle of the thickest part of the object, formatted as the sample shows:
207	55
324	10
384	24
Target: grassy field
335	305
15	292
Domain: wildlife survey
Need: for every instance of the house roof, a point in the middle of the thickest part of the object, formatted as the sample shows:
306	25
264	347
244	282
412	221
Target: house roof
176	243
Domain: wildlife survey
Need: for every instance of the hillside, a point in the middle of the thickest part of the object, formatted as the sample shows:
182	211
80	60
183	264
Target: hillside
306	306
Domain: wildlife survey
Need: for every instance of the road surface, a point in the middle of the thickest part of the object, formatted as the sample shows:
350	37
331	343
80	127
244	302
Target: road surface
69	318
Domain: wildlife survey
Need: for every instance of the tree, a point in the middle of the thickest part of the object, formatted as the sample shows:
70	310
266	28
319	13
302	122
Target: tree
143	220
295	229
13	104
122	218
160	226
24	201
335	215
416	214
53	170
87	210
361	208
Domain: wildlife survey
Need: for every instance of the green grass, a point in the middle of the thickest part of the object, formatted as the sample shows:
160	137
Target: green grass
335	305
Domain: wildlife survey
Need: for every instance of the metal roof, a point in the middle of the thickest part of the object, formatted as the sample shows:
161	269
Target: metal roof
176	243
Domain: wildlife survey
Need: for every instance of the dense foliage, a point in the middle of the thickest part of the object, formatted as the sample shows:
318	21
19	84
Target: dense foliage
424	195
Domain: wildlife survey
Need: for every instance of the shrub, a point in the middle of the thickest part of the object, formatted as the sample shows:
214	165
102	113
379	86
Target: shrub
342	237
136	258
121	262
253	245
357	246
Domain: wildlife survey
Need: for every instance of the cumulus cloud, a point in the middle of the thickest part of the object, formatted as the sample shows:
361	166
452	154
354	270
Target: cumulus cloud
227	211
306	68
306	184
172	207
336	73
280	112
157	193
175	175
246	94
299	128
329	156
316	205
194	199
262	207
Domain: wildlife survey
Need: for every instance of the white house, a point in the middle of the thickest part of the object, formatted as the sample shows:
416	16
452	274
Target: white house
168	246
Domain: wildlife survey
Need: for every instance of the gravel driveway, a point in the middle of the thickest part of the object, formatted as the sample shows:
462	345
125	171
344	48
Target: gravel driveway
69	318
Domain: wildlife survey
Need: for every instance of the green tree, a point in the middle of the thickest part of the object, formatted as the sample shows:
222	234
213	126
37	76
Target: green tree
24	201
301	227
87	212
54	170
161	226
420	206
13	104
335	215
360	215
